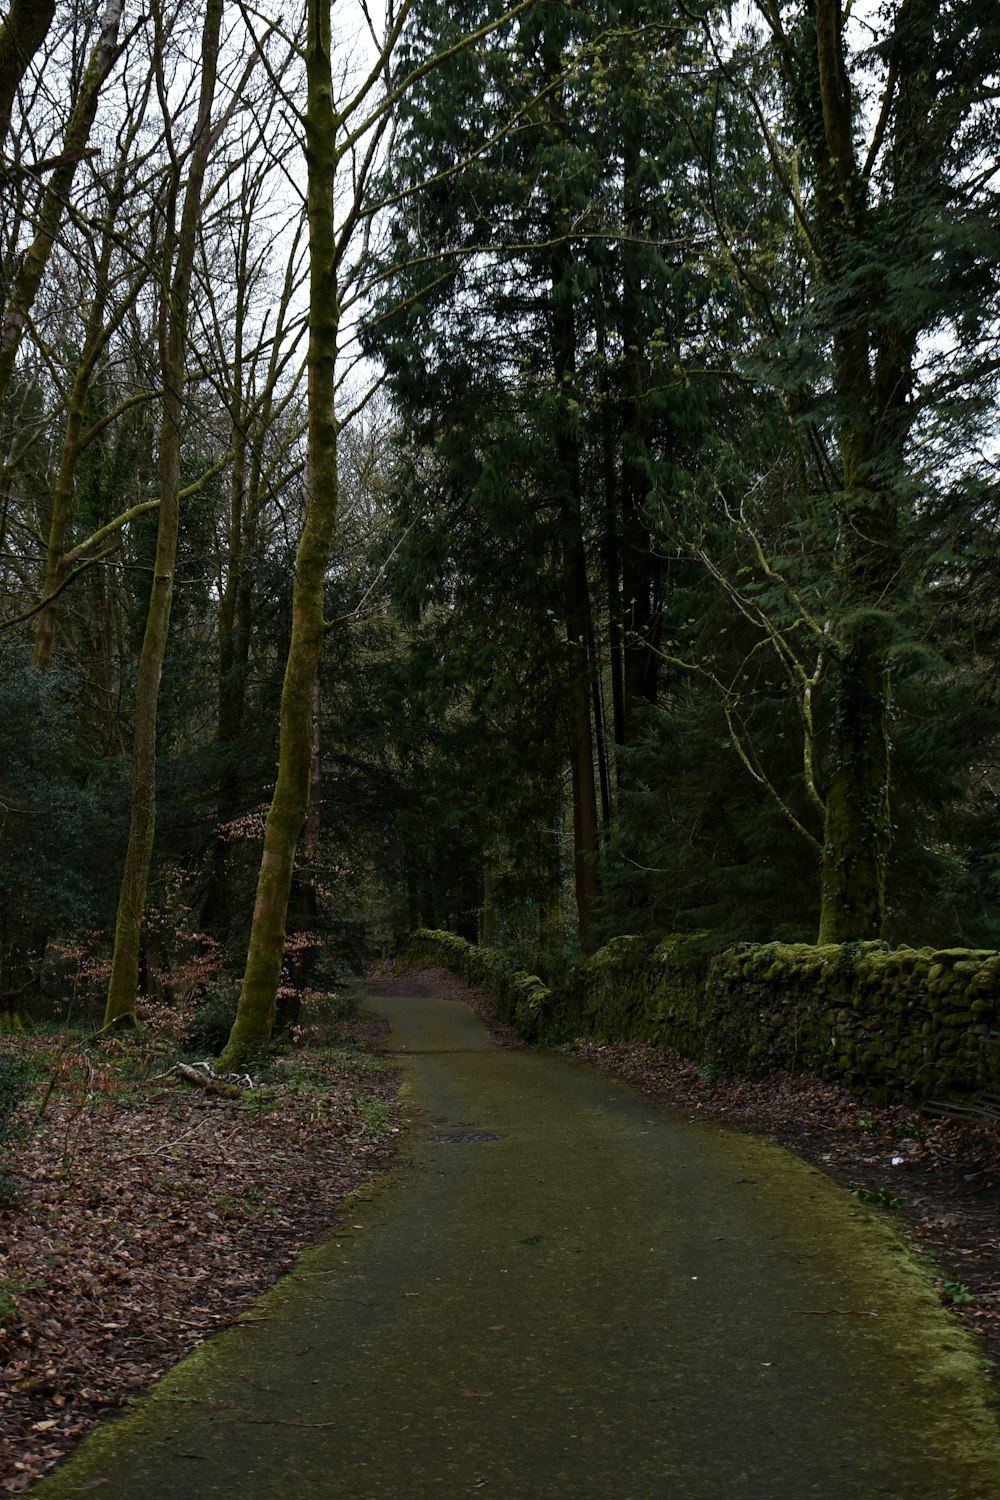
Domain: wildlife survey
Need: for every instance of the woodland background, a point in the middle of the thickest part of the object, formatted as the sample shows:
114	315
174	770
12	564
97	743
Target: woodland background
630	371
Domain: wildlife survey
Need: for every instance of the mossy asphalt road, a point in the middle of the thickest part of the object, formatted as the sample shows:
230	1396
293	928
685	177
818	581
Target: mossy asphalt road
559	1291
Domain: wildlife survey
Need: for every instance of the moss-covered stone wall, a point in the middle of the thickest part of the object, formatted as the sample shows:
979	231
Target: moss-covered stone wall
636	991
911	1022
904	1022
521	999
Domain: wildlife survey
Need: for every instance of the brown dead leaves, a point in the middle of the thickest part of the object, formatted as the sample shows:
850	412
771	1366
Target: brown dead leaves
150	1215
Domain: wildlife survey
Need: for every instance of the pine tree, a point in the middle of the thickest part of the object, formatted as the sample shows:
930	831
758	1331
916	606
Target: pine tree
533	326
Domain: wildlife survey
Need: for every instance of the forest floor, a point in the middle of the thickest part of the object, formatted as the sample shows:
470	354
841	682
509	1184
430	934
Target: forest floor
146	1213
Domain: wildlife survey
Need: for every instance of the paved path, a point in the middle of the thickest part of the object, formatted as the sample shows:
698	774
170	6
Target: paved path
567	1295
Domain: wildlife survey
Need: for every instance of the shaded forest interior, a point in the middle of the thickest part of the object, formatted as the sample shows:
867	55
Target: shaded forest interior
531	471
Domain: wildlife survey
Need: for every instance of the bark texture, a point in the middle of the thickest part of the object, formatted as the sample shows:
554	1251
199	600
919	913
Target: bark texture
21	35
871	380
857	835
573	560
289	805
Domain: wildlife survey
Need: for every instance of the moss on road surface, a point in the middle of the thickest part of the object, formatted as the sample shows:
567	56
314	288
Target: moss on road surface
562	1292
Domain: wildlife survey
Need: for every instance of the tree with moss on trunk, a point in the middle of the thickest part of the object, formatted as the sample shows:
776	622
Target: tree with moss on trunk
896	210
345	123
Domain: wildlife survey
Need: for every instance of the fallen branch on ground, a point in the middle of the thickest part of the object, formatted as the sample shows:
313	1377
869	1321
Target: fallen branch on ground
206	1080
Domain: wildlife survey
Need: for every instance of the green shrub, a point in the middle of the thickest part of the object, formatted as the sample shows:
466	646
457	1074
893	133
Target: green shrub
212	1021
15	1082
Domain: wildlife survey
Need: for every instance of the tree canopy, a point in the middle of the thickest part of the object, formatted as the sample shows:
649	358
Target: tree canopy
528	468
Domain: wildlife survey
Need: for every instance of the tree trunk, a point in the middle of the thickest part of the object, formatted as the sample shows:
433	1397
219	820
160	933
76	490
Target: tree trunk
585	821
857	835
488	917
303	903
57	191
870	433
600	730
612	537
579	633
21	35
233	648
580	666
640	569
289	805
123	983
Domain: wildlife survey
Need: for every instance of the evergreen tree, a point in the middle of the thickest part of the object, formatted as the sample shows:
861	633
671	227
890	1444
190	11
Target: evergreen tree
534	326
899	226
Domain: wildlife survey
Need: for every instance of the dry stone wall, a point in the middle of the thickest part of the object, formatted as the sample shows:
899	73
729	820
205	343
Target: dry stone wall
916	1023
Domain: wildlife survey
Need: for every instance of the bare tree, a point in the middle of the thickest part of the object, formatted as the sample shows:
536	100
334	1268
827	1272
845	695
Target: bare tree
113	291
254	328
179	259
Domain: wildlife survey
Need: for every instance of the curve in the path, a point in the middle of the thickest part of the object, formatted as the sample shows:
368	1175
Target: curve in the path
568	1294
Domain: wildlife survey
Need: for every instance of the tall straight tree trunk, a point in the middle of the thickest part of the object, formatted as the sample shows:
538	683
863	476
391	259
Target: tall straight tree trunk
857	834
303	901
580	636
640	625
600	724
233	649
579	625
585	817
871	379
123	983
289	805
612	537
